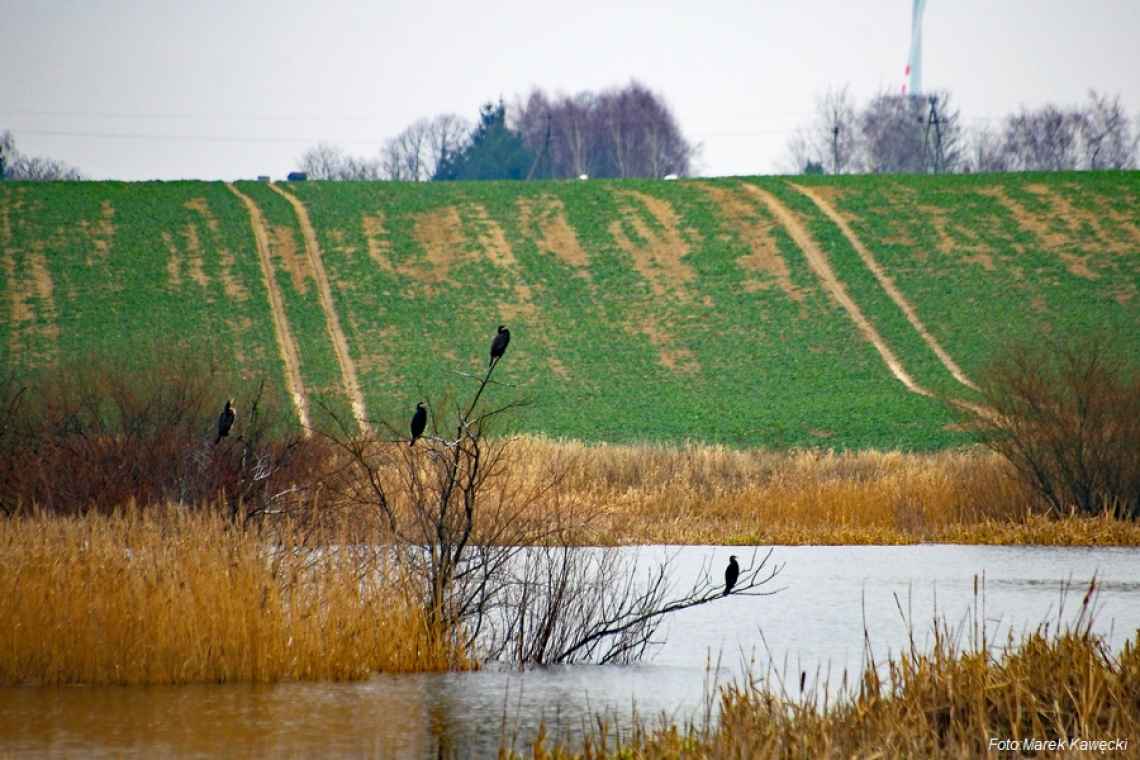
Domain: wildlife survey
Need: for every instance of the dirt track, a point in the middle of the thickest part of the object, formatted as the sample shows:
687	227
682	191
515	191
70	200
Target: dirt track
285	341
819	264
324	293
888	285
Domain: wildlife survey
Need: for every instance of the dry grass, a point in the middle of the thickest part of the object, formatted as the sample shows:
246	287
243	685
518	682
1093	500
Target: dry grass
1063	686
173	597
698	494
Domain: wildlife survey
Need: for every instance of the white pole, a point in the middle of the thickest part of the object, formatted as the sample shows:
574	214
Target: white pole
914	62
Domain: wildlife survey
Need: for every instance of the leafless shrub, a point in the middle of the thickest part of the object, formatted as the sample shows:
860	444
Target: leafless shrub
1066	414
493	552
566	604
98	436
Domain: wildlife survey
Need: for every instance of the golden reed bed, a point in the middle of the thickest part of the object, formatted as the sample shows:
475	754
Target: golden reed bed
168	596
173	595
700	494
1049	694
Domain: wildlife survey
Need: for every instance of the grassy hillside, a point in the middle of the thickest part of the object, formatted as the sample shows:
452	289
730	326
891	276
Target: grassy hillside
638	310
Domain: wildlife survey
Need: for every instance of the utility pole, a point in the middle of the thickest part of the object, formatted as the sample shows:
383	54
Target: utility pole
934	121
835	149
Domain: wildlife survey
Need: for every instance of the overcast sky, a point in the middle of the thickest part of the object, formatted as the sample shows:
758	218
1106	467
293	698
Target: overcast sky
224	89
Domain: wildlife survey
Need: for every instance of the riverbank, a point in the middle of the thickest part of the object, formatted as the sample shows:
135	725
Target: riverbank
1062	694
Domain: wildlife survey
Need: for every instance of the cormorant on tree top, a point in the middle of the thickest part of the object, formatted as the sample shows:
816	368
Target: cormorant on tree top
419	422
731	573
499	344
226	421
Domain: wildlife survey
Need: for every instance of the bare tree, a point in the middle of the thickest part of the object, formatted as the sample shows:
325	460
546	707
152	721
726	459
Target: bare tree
985	152
15	165
573	604
833	138
330	162
1047	139
447	136
915	134
324	161
494	554
405	156
620	132
1106	132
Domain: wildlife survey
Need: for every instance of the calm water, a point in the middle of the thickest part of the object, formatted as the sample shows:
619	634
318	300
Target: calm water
816	622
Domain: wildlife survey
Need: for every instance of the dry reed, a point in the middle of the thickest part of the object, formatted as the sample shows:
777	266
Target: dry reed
154	597
1063	687
704	494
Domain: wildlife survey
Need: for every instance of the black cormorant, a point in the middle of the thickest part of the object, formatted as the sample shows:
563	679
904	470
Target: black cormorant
226	421
731	573
499	344
419	422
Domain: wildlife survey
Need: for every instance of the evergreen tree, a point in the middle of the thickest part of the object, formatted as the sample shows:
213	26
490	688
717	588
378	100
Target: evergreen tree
493	152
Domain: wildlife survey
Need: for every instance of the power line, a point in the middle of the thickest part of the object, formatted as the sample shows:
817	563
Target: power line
194	138
184	116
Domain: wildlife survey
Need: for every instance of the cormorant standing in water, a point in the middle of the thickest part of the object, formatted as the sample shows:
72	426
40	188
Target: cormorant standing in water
499	344
419	422
226	421
731	573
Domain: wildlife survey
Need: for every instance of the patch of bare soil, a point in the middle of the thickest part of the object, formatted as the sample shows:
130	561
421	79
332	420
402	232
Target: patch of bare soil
202	207
950	235
757	233
173	262
557	367
9	201
660	259
286	344
376	236
235	291
491	238
31	297
888	285
1042	229
101	233
555	235
324	292
282	243
820	265
669	355
373	362
440	232
230	283
194	259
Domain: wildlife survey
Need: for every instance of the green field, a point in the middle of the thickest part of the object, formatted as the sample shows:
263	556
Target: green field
639	310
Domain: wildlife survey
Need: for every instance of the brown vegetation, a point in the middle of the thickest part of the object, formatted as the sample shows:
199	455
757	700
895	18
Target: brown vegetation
948	702
1066	415
169	595
96	437
705	494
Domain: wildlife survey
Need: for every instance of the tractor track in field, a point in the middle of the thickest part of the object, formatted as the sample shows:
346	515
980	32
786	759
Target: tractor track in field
286	343
820	265
332	321
887	284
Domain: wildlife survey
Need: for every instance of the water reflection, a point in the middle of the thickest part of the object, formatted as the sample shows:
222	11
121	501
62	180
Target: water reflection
815	625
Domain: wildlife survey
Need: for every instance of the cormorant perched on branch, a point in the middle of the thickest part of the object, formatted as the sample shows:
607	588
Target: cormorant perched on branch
499	344
419	422
731	573
226	420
